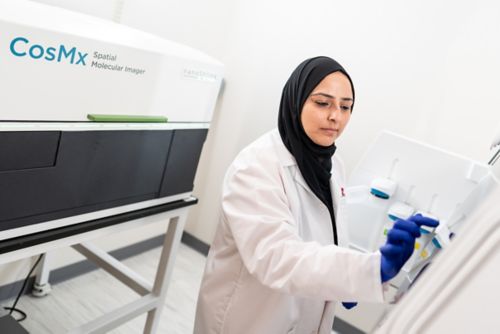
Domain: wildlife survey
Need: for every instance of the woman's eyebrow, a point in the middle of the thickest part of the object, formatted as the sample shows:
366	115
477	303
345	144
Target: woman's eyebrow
332	97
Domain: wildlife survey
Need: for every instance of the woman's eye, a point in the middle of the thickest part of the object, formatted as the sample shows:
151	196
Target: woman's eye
322	104
346	108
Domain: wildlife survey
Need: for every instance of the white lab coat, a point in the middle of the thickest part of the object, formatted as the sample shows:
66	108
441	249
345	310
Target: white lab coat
273	267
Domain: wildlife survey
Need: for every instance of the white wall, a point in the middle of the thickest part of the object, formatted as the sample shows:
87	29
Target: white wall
425	69
106	9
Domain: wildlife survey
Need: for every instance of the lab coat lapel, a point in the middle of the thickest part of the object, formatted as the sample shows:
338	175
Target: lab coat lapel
339	209
317	211
336	192
298	178
334	188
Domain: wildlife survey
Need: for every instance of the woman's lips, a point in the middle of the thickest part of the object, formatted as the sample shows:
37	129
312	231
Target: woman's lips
329	131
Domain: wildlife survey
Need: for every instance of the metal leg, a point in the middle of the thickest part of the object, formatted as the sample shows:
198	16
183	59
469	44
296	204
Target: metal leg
153	298
42	287
164	271
115	268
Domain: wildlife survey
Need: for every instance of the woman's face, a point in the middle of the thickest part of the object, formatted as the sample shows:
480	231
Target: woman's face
327	110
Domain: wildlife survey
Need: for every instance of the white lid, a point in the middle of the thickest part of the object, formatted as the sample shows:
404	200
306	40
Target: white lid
401	210
384	185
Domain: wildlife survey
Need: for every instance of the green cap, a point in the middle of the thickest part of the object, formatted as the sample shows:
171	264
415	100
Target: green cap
127	118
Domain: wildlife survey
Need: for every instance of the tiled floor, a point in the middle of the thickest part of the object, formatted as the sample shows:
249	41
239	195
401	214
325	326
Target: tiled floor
86	297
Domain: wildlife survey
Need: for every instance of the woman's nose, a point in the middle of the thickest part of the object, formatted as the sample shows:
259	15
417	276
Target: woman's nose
334	111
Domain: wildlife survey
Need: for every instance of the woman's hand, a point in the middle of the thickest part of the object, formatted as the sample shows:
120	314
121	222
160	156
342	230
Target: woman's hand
401	243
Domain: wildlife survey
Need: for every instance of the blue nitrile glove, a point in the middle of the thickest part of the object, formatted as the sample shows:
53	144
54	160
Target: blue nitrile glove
349	305
400	244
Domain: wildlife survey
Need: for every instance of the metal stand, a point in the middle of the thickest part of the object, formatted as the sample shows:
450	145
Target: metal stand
152	299
152	295
42	287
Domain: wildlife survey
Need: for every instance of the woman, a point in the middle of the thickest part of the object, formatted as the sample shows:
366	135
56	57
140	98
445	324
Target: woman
279	262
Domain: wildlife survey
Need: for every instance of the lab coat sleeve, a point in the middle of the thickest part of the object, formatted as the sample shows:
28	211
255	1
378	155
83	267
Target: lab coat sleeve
256	209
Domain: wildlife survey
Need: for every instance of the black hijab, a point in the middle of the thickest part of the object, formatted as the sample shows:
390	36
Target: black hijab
314	161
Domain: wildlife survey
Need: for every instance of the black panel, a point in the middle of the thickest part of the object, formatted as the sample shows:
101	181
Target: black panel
94	170
53	175
116	164
26	149
182	161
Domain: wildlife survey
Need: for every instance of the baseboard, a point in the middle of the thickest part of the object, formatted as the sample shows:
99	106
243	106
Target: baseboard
195	243
62	274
